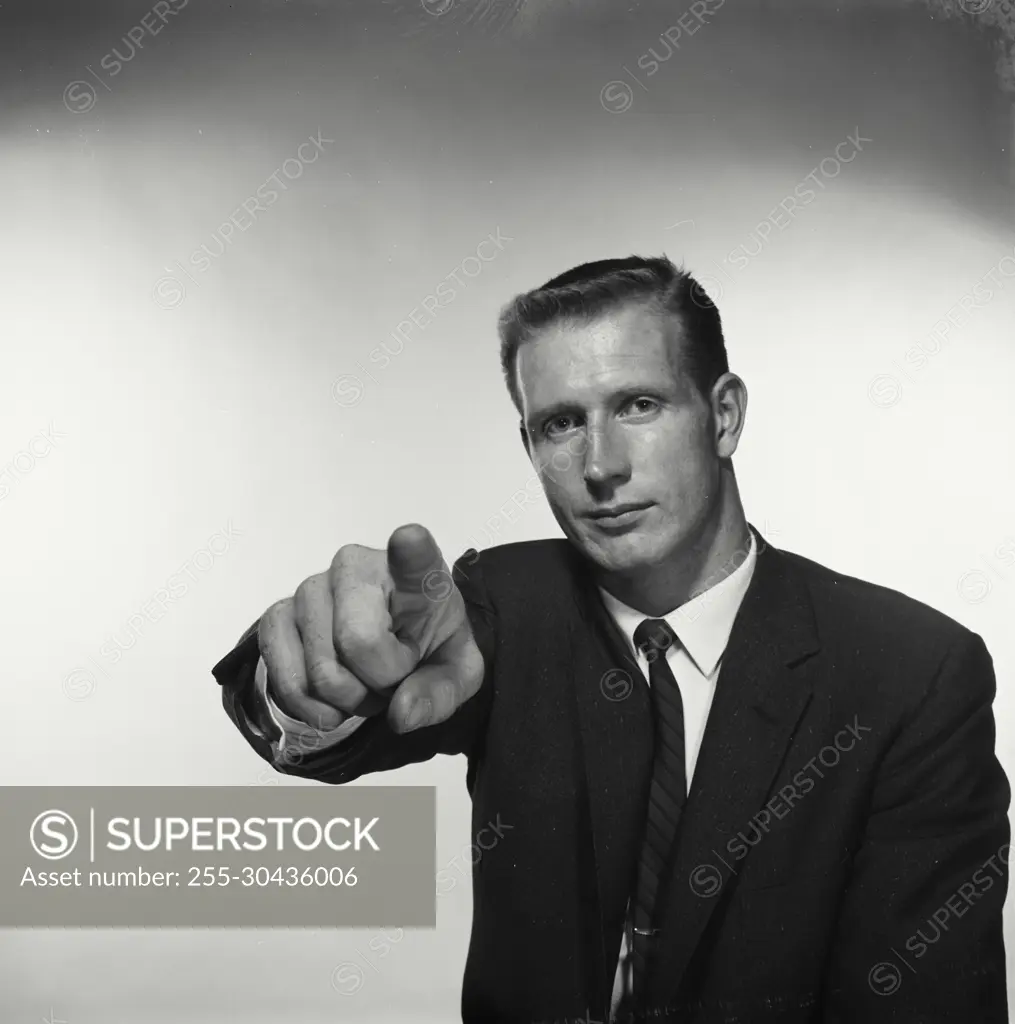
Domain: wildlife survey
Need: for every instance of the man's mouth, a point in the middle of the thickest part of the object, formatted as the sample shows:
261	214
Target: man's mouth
617	515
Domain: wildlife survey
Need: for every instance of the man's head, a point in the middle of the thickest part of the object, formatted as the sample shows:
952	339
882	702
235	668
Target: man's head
618	369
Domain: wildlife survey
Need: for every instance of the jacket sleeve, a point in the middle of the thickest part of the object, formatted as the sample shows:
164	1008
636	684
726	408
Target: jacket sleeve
374	746
919	936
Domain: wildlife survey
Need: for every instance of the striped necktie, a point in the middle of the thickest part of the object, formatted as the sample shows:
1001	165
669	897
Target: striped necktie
667	794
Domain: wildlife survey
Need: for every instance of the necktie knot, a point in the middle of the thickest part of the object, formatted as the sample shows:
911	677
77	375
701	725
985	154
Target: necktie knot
654	636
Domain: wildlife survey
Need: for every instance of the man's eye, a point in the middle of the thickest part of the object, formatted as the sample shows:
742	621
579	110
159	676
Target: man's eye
559	425
643	405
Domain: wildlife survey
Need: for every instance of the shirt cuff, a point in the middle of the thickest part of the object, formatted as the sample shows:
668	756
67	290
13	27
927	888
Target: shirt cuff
297	736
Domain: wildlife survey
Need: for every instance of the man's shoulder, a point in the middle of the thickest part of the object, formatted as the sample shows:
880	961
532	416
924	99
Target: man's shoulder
524	560
846	604
535	577
843	604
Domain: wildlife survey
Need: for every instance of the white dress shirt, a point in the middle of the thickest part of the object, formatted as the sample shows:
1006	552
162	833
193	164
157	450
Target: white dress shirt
703	626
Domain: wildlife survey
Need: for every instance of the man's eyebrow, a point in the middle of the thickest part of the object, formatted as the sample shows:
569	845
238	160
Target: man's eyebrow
619	396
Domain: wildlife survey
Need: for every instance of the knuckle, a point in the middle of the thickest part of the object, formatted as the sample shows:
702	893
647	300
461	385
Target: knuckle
306	594
271	622
355	639
347	556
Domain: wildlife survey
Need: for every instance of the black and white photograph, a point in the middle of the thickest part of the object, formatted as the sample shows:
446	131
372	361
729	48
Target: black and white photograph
507	511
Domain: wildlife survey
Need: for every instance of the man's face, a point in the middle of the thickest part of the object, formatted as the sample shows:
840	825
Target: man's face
613	422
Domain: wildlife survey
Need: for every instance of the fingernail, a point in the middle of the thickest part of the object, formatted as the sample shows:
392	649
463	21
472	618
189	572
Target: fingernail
420	711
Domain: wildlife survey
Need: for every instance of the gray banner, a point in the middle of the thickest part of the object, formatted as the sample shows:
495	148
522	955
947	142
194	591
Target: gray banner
217	856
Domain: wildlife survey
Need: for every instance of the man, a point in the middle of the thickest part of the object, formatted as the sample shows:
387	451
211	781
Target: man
734	785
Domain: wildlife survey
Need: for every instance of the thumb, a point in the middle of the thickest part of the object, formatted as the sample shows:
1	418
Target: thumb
437	688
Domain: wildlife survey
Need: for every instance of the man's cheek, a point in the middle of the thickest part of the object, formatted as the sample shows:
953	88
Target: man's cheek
559	478
560	505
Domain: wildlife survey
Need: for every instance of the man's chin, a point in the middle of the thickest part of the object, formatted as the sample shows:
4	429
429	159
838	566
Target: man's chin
628	553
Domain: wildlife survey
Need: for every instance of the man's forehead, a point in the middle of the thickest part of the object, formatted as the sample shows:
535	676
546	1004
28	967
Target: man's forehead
632	343
626	328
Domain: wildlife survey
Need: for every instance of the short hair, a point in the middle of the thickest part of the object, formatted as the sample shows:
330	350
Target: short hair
592	289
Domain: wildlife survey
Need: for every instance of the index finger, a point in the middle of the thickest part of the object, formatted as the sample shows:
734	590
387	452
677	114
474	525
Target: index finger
413	558
363	630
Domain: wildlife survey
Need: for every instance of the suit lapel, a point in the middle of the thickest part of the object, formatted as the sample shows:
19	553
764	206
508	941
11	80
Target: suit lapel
757	704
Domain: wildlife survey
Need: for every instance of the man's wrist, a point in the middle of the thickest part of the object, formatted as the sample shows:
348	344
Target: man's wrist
296	737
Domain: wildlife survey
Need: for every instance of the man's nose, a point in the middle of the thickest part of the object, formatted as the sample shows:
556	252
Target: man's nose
605	455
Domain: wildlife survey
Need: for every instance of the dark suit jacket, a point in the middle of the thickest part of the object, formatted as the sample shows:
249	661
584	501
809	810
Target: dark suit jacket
842	856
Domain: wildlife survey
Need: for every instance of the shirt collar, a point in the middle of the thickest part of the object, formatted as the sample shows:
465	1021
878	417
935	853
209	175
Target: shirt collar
704	623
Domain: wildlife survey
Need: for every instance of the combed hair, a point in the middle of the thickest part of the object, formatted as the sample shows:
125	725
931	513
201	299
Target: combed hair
588	291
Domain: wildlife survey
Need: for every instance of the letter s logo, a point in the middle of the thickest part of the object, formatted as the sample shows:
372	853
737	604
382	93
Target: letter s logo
53	825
